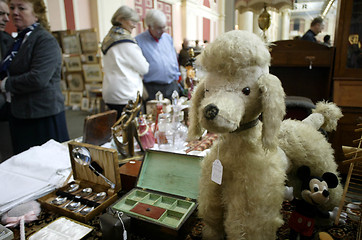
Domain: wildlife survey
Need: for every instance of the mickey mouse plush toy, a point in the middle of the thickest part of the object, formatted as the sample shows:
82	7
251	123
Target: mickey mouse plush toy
314	194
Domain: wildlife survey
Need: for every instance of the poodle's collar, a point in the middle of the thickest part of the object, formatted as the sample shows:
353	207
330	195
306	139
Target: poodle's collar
247	125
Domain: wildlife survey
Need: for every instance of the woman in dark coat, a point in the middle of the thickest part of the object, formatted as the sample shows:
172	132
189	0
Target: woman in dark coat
32	77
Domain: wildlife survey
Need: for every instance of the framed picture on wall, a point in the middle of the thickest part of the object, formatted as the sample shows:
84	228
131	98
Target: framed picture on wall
92	72
90	58
70	44
73	63
89	41
75	98
85	104
91	89
75	81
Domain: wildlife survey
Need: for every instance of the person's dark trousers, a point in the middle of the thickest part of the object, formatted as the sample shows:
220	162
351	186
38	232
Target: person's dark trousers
26	133
118	108
5	112
166	89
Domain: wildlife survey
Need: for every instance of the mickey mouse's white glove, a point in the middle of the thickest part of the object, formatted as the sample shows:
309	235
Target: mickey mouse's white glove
342	216
288	193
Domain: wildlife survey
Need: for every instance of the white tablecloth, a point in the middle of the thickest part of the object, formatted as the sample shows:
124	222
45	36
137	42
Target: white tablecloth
33	173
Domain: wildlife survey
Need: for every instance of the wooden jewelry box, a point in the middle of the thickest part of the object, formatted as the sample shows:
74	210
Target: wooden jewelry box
166	192
106	162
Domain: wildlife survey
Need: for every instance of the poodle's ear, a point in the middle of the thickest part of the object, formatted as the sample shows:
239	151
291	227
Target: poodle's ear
195	130
273	108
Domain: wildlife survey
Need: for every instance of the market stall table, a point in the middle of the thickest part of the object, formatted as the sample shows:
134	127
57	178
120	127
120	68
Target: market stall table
343	232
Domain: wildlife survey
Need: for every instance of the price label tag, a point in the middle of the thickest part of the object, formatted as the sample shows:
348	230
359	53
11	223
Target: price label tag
216	174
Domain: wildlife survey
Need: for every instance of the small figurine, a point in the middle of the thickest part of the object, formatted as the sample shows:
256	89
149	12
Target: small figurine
127	124
145	133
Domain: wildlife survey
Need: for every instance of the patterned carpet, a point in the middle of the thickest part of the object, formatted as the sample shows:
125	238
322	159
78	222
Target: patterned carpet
343	232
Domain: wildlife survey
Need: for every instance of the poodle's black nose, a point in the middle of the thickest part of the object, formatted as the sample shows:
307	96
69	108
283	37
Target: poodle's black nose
210	111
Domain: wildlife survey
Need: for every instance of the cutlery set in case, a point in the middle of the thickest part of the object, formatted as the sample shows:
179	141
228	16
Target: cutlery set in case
95	186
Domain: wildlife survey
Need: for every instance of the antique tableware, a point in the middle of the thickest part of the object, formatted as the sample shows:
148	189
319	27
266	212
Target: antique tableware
99	196
77	197
73	187
82	156
86	191
86	210
73	206
59	200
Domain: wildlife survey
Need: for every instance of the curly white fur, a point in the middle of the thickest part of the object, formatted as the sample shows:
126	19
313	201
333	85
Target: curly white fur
238	88
305	145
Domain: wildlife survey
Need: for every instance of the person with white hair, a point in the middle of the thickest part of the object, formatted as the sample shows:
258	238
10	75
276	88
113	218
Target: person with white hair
124	64
158	49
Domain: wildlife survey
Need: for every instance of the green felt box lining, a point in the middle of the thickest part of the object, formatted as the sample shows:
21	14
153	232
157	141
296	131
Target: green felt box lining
165	173
176	209
171	173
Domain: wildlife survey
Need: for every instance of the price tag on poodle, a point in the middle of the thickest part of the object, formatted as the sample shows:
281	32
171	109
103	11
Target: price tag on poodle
216	174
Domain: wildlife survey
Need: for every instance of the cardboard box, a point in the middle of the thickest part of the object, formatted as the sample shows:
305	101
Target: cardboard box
166	191
107	159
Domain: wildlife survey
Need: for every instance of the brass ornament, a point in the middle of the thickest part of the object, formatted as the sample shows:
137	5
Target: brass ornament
264	20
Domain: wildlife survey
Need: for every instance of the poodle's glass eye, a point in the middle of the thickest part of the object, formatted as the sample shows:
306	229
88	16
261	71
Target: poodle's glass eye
206	90
315	188
246	91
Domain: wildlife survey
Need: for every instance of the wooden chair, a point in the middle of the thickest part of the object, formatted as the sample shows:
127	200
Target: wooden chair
97	128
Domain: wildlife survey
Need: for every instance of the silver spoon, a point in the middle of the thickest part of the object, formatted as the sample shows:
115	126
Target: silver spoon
59	200
86	210
73	187
99	196
86	191
73	206
76	197
82	156
80	209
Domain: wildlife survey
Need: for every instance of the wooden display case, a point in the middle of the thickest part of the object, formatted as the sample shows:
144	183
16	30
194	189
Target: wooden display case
107	159
347	92
166	191
304	68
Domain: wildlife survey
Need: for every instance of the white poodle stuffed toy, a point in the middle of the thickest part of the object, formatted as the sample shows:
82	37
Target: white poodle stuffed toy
229	101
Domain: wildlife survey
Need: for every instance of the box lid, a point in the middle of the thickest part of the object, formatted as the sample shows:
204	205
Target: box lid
172	173
106	158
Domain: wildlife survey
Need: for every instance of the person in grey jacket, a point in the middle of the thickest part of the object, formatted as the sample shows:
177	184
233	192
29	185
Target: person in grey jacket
6	41
31	73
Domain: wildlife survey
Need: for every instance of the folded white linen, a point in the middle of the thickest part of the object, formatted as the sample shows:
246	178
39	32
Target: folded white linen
31	174
40	162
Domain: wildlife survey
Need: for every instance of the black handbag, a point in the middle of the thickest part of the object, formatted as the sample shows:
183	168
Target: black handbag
114	224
